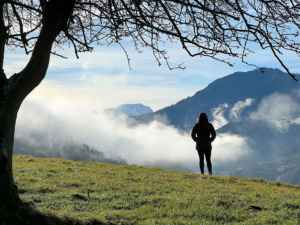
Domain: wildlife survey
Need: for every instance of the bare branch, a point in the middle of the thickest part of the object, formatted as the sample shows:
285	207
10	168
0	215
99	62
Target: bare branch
219	29
127	56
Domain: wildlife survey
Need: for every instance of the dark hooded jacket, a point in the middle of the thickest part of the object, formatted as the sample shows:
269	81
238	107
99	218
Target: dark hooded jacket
203	133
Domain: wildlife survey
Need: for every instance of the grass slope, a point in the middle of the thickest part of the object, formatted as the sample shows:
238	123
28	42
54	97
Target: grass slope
143	195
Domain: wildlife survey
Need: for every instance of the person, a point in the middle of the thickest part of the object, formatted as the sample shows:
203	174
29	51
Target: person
204	134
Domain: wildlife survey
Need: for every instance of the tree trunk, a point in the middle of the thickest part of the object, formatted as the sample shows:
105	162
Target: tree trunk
15	89
9	197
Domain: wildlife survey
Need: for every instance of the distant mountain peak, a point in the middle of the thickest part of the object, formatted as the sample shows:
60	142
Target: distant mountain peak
129	110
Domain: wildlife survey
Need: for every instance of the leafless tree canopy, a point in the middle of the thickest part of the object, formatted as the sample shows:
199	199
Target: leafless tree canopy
220	29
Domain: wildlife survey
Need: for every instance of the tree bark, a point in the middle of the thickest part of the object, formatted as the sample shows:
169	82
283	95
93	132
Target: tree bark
9	197
15	89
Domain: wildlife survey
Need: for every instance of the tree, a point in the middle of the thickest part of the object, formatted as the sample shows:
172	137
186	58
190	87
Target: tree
219	29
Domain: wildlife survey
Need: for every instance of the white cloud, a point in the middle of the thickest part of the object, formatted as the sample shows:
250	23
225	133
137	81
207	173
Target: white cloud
103	92
229	147
279	110
106	70
239	107
296	121
63	120
14	62
219	119
104	79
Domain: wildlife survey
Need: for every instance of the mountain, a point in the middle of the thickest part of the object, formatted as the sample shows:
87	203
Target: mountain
128	110
230	89
262	108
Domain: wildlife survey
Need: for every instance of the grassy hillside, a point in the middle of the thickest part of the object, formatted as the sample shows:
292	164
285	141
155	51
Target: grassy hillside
141	195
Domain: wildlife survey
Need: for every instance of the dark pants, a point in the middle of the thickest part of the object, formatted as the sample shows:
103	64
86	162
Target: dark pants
207	153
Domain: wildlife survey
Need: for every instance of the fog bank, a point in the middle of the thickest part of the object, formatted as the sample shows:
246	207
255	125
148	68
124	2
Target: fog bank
60	120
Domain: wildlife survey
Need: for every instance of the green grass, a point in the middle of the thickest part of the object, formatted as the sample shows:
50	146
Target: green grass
143	195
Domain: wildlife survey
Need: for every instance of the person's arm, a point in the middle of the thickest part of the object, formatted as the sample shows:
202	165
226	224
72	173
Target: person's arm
193	134
213	133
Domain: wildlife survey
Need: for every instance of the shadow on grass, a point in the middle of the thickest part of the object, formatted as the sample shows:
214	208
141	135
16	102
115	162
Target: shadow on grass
27	214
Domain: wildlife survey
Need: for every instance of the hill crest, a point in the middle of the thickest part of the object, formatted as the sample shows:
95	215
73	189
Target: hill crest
121	194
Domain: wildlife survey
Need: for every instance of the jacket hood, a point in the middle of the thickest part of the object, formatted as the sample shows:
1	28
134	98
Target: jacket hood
202	118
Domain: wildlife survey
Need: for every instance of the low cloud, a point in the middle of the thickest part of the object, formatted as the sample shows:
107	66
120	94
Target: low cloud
279	111
219	119
61	120
230	147
238	108
218	113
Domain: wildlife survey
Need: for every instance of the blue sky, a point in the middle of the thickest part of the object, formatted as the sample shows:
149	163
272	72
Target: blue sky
62	109
103	78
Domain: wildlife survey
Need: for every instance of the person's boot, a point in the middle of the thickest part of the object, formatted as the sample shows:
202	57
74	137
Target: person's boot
210	173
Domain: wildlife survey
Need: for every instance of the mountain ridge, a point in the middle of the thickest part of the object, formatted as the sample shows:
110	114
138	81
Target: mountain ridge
128	110
184	113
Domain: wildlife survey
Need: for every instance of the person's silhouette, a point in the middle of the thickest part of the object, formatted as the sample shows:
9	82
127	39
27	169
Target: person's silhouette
203	134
